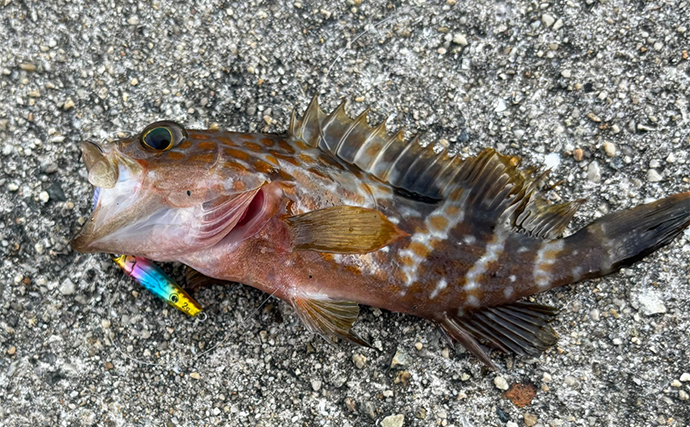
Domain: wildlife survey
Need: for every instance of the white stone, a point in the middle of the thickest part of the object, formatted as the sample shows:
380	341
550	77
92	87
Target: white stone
67	287
460	39
593	172
393	421
650	303
653	176
547	19
501	383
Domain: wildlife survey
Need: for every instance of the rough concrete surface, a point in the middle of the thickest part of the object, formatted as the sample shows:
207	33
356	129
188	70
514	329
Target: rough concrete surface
596	90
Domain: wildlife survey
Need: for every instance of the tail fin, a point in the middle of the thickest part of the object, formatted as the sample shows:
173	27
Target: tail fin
629	235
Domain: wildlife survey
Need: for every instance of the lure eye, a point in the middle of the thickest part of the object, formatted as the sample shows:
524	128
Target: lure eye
161	136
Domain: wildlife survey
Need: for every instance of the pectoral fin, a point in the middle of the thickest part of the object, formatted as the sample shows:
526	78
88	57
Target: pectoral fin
328	318
343	229
196	280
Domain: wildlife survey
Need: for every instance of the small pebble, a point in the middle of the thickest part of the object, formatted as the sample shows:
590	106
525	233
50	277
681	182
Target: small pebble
511	424
610	149
547	20
558	24
593	172
650	303
683	395
419	346
43	196
501	383
653	176
685	377
108	366
68	104
12	187
676	383
67	287
27	66
400	358
594	315
133	20
460	39
359	360
530	420
11	350
546	377
195	375
393	421
316	385
578	154
570	380
566	74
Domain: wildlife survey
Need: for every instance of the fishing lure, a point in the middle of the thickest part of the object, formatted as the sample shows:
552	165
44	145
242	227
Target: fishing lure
154	279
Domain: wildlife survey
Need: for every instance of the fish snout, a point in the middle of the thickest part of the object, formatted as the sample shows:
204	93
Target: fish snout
103	171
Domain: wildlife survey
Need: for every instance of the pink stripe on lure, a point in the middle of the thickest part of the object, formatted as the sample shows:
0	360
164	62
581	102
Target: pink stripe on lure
150	276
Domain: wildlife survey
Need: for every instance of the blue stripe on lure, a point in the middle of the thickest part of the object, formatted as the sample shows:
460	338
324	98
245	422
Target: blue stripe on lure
150	276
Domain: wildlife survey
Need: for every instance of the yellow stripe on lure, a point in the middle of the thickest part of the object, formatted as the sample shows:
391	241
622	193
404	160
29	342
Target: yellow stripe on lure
150	276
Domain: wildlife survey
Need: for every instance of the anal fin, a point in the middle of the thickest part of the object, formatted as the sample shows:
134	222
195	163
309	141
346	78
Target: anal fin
521	328
329	318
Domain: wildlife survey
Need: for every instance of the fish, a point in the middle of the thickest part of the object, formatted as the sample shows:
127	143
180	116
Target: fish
156	281
337	213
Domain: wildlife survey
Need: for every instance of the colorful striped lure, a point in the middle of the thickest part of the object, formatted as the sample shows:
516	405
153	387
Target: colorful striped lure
150	276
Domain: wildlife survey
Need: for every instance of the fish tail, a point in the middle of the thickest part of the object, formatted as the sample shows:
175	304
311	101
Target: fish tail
621	238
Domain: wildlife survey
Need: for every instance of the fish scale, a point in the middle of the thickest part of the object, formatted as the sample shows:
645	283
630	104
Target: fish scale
337	213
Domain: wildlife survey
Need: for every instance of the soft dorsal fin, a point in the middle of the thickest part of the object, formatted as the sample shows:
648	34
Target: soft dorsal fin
489	188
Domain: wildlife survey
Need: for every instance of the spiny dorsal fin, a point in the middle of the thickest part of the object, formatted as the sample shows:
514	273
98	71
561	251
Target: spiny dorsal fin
489	187
521	328
390	158
329	318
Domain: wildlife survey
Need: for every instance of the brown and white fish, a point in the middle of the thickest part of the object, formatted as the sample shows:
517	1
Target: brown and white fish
336	213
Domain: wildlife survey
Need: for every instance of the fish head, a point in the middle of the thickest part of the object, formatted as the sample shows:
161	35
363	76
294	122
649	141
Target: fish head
169	191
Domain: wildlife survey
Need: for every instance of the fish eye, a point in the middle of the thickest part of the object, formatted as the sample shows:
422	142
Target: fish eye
161	136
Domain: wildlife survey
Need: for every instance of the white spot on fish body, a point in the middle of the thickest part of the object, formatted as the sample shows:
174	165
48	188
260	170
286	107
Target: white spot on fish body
492	253
469	239
508	291
512	277
542	277
472	301
441	285
577	273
